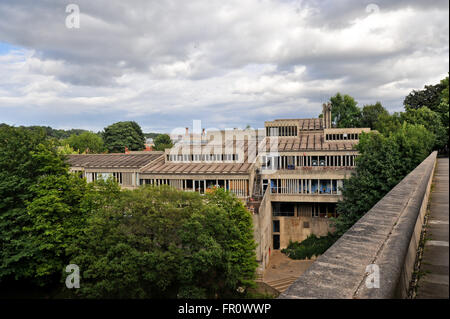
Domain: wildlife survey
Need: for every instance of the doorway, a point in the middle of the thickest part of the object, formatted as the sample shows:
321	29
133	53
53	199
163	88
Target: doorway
276	241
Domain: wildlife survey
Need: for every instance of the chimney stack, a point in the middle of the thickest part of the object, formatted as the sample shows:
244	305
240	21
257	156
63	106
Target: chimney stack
187	131
326	119
203	132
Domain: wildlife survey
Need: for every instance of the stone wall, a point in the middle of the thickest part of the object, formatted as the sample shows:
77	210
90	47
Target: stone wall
387	236
262	224
293	228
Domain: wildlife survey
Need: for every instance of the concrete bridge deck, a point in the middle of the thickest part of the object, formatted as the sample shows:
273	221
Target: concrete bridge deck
434	280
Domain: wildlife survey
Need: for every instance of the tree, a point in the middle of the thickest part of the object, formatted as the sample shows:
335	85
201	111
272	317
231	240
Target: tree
86	142
18	170
430	97
33	174
161	242
57	218
382	163
388	123
344	111
435	98
119	135
162	142
65	149
371	113
431	121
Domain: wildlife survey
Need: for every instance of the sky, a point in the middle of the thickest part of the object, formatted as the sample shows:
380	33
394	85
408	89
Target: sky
228	63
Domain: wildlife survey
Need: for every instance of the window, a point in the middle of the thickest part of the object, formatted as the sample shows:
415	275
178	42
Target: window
276	226
283	209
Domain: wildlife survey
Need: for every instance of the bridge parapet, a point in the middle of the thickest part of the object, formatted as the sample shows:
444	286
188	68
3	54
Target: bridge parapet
386	236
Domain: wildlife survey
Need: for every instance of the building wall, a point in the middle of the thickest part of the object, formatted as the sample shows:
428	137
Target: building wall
262	224
298	228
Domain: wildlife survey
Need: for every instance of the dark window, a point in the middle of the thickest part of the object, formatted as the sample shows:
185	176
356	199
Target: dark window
283	209
276	241
276	226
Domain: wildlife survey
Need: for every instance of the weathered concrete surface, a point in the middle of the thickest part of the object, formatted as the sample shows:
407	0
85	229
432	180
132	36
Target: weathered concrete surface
281	267
434	281
387	235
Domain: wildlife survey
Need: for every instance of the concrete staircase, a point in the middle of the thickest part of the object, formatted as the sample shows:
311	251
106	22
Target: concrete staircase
281	284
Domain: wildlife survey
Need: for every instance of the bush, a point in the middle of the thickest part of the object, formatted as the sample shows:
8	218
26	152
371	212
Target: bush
311	246
158	242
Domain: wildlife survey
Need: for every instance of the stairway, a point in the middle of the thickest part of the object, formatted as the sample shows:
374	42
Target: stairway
281	284
255	200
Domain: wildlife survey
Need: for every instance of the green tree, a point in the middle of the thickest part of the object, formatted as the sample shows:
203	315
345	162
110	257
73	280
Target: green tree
65	149
86	142
57	217
388	123
119	135
18	170
162	142
430	97
344	111
431	121
37	202
161	242
382	163
371	113
435	98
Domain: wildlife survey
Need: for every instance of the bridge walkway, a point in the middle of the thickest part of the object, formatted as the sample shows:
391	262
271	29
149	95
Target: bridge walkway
433	281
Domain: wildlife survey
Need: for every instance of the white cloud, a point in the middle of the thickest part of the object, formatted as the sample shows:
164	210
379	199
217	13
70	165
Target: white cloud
164	63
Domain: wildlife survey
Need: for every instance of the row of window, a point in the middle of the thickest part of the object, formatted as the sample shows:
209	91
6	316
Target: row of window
286	209
239	187
96	176
342	137
202	157
281	131
291	162
303	186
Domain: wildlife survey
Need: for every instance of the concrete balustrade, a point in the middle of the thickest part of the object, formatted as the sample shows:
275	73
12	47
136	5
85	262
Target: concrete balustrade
387	236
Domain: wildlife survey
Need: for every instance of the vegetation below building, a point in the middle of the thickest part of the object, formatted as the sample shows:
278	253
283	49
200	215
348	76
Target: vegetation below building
310	247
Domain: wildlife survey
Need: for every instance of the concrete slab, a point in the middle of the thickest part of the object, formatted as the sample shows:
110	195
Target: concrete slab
434	282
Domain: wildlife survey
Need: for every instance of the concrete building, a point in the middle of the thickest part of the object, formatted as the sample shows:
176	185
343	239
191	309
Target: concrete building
289	174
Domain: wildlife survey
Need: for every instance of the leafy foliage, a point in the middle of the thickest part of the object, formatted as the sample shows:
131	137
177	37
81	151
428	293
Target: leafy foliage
86	142
382	163
161	242
344	111
311	246
119	135
162	142
151	135
429	97
435	98
371	113
37	201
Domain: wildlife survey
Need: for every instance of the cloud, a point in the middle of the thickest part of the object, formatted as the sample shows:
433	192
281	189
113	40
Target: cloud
165	63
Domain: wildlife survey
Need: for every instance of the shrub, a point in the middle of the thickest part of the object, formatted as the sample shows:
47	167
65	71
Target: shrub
311	246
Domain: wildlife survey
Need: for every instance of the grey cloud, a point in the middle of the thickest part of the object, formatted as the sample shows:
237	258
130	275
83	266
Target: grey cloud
156	59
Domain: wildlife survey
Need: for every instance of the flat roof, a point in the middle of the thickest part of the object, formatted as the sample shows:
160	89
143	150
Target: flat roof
116	160
302	124
159	166
310	142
